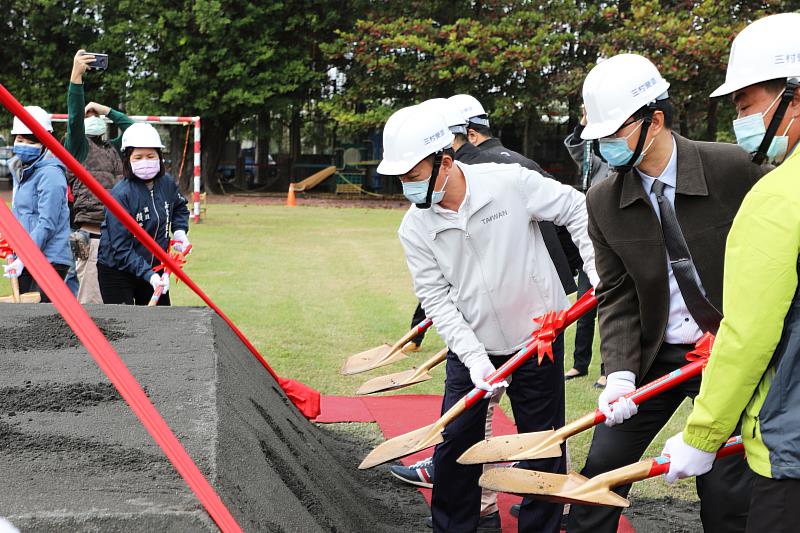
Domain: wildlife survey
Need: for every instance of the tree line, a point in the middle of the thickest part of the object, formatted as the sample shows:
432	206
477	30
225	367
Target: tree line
346	65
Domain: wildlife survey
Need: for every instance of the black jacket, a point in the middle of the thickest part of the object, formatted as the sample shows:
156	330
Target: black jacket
160	212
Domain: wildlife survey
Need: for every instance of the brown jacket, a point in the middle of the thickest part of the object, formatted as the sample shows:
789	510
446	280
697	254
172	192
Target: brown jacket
633	294
104	163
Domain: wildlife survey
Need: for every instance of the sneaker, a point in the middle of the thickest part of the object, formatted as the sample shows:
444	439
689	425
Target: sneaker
486	524
419	474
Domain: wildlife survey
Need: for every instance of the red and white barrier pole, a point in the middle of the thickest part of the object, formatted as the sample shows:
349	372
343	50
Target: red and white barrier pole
196	195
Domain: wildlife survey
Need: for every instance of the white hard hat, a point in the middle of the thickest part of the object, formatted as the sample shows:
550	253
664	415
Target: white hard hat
41	116
470	108
452	116
141	135
767	49
615	89
409	136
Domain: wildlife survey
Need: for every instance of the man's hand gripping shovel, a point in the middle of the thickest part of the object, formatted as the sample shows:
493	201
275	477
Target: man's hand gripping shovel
574	488
543	444
552	324
178	257
383	355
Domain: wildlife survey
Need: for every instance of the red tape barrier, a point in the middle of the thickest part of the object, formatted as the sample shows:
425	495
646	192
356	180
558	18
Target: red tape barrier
304	397
110	363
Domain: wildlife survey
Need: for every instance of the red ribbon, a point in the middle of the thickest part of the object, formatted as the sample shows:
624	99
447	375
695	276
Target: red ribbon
702	348
551	325
178	257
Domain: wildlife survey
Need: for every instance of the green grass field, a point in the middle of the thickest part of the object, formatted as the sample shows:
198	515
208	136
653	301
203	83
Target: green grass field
311	286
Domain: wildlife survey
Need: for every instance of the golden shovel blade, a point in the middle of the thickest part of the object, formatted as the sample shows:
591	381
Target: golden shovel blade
538	445
26	298
560	488
403	445
398	380
372	358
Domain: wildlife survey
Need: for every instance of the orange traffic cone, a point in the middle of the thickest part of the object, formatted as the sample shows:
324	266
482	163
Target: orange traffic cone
290	199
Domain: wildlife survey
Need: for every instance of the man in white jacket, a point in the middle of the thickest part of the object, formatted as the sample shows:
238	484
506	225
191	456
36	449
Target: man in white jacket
482	272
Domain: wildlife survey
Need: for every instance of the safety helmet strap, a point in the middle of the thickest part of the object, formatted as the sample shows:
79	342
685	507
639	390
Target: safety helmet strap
788	93
437	162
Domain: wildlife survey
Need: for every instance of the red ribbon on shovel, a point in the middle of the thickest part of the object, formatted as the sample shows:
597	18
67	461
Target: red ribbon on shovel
180	259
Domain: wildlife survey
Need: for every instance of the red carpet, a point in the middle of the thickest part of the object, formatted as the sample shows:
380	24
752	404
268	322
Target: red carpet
400	414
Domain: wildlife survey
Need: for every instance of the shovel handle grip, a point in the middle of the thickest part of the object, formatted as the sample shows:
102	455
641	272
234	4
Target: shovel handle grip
584	304
660	465
662	384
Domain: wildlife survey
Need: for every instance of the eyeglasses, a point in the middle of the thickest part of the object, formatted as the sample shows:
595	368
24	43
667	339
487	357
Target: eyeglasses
615	135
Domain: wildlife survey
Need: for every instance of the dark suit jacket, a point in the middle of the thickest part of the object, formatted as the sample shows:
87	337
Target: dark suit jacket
633	294
556	238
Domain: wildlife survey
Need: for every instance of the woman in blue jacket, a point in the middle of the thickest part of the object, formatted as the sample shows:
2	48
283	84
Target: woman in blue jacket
39	200
124	265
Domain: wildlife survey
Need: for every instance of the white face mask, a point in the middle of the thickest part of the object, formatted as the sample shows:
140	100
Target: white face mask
94	126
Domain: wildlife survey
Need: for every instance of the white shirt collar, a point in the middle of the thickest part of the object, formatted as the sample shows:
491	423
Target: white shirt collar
461	209
669	176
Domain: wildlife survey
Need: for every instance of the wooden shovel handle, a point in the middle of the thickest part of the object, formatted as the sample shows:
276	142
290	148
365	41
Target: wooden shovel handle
416	330
433	361
15	290
14	283
156	295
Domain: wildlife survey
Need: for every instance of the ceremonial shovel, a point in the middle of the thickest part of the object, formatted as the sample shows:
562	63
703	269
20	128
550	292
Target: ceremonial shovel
406	378
543	444
180	258
552	324
575	488
383	355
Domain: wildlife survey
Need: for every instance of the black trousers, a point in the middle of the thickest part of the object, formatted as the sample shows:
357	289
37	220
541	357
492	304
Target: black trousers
584	331
118	287
537	399
28	284
724	491
419	316
775	505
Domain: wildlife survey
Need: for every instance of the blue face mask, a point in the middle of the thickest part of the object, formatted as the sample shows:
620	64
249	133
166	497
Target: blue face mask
616	152
416	192
750	132
27	153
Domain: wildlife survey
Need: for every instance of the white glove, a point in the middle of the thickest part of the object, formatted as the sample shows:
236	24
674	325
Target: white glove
14	269
685	460
183	241
479	371
160	281
618	384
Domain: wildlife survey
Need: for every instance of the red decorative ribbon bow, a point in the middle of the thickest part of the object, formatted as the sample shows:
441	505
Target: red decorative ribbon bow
702	348
552	324
178	257
5	248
